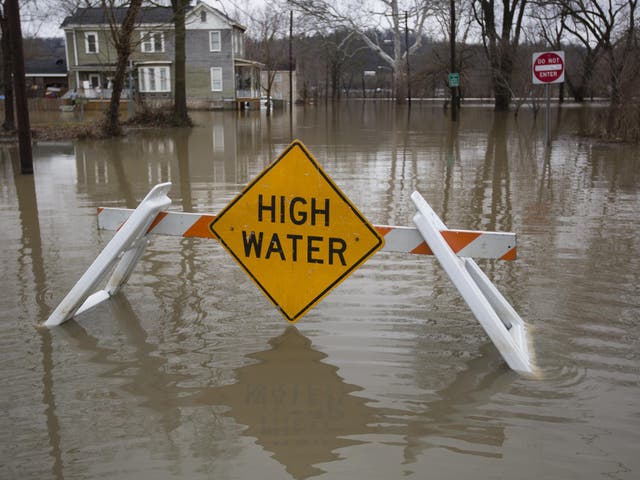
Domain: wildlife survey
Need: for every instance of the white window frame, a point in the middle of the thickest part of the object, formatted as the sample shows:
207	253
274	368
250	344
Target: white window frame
154	79
213	33
238	40
86	42
216	78
148	44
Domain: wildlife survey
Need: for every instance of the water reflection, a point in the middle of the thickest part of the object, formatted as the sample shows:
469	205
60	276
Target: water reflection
144	372
295	405
31	253
492	192
412	381
455	419
224	150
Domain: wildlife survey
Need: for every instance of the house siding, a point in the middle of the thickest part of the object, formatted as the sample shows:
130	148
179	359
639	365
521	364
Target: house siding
137	55
199	59
106	52
199	63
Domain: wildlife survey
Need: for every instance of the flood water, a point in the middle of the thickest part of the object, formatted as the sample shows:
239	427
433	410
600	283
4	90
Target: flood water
190	372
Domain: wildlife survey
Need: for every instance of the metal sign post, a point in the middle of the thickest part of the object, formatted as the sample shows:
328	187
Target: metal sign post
547	68
547	128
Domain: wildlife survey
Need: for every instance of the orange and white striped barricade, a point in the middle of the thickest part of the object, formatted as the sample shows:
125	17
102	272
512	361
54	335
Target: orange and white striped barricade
118	257
452	248
465	243
500	321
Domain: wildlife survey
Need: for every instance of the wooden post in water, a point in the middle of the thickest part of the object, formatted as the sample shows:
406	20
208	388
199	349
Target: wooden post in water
20	88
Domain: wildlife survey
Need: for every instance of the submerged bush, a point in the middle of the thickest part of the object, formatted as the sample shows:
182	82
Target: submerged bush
67	131
619	123
154	117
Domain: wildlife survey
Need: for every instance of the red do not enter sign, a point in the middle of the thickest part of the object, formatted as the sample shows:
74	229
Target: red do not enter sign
548	67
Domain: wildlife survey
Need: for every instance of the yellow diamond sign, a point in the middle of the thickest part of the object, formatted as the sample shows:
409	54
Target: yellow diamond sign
295	232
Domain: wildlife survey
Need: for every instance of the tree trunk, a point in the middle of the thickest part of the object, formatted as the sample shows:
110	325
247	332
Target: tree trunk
267	91
502	95
579	91
19	85
399	83
501	43
122	43
502	78
7	67
112	126
180	113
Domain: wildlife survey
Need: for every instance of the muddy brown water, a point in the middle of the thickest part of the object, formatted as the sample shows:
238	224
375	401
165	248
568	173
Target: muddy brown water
191	373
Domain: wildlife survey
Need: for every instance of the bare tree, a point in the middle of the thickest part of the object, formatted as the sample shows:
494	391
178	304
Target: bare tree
459	54
180	113
341	47
267	45
605	28
7	67
380	25
501	26
121	34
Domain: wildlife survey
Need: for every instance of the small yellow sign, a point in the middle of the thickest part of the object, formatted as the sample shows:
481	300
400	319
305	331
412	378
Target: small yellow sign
295	232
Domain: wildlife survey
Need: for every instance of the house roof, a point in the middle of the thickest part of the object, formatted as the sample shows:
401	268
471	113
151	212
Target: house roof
147	15
202	5
98	16
45	66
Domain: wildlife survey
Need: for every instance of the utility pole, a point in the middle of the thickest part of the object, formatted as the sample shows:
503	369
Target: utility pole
406	43
20	88
452	47
291	74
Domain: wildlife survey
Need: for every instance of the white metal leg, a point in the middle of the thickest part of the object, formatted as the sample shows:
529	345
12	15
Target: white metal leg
500	321
127	246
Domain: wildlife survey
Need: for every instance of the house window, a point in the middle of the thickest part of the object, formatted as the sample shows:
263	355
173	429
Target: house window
203	16
154	79
91	42
216	79
152	42
214	41
238	41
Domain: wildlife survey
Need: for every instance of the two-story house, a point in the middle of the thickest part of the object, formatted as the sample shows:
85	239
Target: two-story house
217	74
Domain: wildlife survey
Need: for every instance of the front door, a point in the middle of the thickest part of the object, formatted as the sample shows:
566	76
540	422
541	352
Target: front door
94	80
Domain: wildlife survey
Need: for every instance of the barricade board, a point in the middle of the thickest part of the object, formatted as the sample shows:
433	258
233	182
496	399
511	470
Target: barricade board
399	239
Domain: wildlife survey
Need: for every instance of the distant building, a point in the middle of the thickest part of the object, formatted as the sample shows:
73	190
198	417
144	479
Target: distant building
280	83
218	75
46	76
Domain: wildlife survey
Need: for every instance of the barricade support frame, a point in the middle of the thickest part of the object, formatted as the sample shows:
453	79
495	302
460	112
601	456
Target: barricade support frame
500	321
119	257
